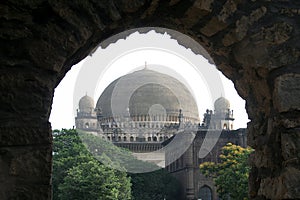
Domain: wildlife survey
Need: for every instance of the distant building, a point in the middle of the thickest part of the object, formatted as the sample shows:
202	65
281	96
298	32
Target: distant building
186	169
144	110
86	118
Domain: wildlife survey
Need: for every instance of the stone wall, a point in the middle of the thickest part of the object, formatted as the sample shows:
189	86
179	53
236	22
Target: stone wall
254	43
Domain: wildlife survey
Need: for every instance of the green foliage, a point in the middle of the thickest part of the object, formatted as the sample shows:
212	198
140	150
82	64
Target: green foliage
90	181
78	175
145	186
231	174
156	185
119	158
80	172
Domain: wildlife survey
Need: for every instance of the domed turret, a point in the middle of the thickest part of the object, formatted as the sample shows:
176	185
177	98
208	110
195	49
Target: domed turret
222	105
86	116
86	104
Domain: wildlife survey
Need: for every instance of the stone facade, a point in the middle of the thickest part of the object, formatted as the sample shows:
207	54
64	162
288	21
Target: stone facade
186	169
86	118
139	133
152	113
254	43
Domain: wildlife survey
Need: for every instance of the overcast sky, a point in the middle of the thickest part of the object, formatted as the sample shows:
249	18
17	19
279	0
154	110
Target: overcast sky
93	74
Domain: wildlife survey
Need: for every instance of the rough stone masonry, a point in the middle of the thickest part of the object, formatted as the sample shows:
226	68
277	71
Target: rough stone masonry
254	43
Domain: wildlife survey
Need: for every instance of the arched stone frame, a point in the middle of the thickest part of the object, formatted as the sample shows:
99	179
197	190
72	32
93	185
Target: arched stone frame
254	44
161	138
205	193
131	139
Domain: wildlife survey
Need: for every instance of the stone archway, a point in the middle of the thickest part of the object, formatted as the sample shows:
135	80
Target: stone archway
254	43
205	193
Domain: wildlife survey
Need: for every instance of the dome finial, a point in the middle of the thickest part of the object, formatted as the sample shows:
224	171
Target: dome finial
145	65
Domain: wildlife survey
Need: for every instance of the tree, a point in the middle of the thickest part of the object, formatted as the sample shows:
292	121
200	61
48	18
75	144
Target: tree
231	174
80	171
90	180
158	185
77	174
119	158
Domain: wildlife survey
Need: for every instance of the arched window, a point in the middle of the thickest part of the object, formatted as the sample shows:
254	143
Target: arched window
87	125
160	138
108	138
124	139
205	193
131	139
225	126
149	139
154	138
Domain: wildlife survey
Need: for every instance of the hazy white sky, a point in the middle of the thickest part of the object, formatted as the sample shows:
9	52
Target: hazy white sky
96	72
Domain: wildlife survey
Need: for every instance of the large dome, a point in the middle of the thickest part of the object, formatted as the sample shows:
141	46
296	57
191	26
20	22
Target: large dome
145	91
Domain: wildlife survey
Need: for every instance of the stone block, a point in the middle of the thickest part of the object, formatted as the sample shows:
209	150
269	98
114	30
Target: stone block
287	92
15	136
290	146
285	186
214	26
30	163
26	192
25	172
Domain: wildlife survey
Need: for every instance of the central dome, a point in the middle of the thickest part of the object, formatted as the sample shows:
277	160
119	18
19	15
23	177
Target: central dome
147	93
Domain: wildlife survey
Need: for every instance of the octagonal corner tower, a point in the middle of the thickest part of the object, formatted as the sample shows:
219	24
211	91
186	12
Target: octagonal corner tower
145	100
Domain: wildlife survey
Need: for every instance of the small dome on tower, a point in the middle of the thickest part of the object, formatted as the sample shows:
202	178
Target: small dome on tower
86	104
222	104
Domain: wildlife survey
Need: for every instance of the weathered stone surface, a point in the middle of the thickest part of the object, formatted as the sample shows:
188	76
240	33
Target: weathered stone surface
284	56
25	191
214	25
290	147
25	172
199	9
254	43
12	136
287	92
285	186
242	26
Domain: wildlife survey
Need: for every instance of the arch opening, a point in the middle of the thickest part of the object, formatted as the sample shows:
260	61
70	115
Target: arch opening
143	118
205	193
252	43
